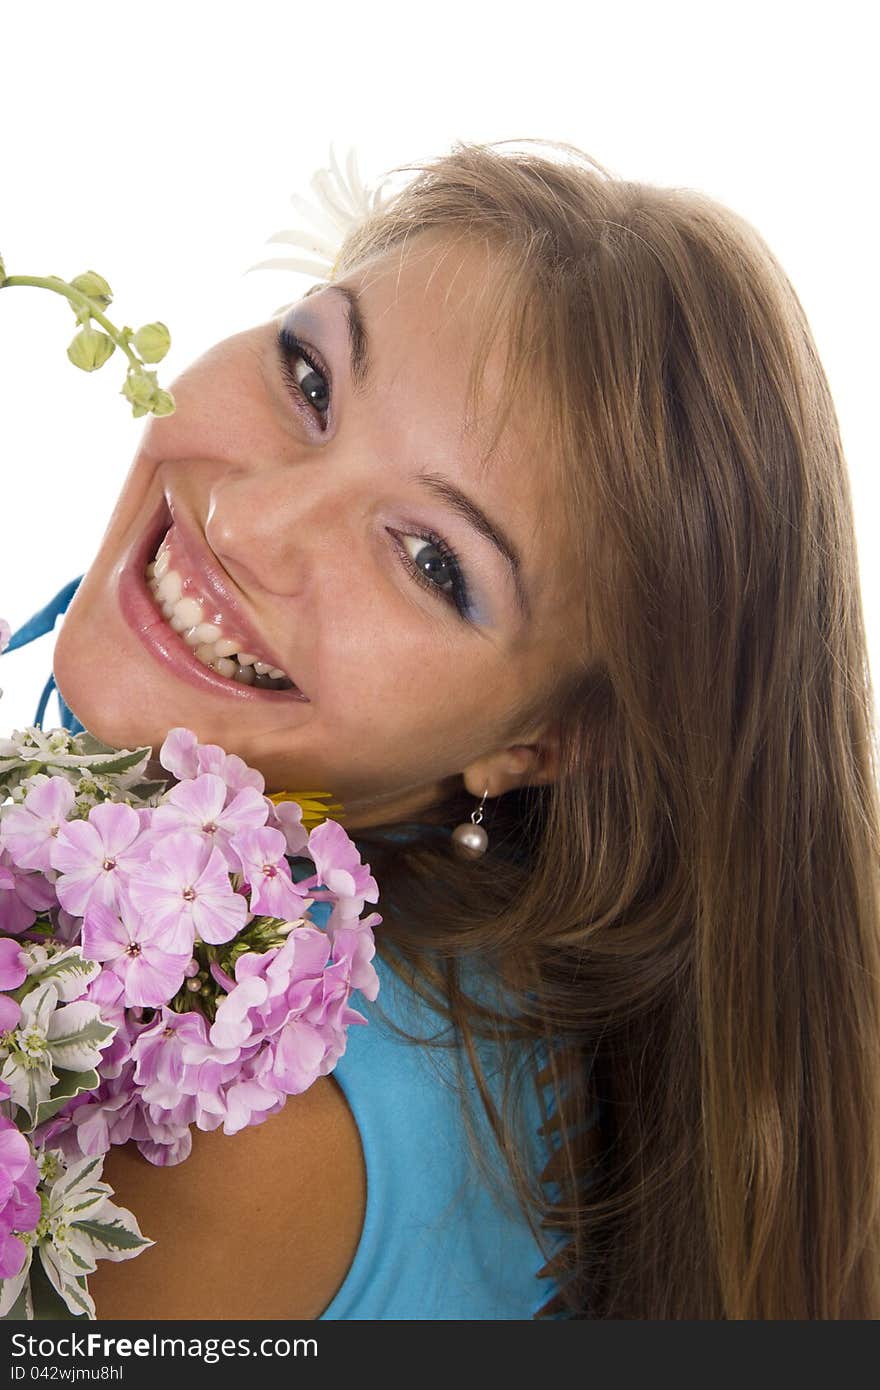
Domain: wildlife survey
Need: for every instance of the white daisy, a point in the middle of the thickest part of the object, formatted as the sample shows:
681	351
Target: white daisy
344	202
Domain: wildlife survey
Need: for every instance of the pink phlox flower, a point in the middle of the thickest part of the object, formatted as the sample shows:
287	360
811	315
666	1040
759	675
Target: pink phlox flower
287	817
267	873
354	948
248	1102
29	830
340	868
270	986
172	1148
10	1017
185	888
66	926
299	1055
117	1114
233	1026
97	857
19	1203
164	1076
160	1072
178	753
201	805
107	1117
22	896
136	949
108	992
185	757
14	963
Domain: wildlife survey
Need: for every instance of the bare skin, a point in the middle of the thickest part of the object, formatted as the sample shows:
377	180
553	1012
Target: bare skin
407	698
261	1224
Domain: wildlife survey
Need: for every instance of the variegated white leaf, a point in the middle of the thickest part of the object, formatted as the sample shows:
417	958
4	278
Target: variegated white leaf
68	972
69	1287
112	1234
77	1035
12	1289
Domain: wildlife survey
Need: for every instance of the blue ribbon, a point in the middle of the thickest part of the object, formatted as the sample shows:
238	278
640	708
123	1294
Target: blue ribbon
38	626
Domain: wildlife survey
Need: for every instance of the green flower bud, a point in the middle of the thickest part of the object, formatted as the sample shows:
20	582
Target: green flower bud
2	271
140	388
163	403
95	286
90	349
152	341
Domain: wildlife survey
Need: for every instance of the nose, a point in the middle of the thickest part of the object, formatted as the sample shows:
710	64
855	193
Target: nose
276	528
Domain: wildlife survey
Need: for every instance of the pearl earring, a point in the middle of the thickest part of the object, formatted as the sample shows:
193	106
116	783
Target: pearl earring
470	838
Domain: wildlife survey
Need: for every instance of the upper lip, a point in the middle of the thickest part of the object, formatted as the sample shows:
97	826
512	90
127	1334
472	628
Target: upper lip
212	579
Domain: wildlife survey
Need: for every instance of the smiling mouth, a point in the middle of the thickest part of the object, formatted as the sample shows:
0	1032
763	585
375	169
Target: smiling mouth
189	610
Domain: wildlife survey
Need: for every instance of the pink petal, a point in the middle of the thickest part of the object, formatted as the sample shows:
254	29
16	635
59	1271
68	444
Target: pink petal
152	982
104	937
117	824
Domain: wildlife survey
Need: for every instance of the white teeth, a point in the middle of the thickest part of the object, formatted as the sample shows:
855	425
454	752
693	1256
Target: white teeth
189	612
170	587
184	614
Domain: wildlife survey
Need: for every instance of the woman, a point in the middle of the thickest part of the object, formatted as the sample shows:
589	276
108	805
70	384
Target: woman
539	507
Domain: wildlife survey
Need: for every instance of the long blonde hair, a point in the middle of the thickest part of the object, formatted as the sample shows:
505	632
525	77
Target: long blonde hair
689	917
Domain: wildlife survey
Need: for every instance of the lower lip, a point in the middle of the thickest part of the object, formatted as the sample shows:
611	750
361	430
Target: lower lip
140	613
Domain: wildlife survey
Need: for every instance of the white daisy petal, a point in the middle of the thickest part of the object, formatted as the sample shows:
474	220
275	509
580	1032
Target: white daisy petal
322	220
343	203
308	241
352	175
293	263
323	186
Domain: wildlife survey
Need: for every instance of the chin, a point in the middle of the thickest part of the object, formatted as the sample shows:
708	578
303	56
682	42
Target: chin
99	690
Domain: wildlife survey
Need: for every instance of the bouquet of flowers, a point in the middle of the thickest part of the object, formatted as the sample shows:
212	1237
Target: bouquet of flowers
163	962
159	968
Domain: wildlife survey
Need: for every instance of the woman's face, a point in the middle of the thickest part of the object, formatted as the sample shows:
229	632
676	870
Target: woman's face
311	518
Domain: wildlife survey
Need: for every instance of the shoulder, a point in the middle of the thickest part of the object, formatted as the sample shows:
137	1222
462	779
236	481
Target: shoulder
281	1203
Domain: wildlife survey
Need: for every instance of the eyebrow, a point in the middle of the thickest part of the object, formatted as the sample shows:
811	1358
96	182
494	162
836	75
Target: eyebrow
472	514
358	343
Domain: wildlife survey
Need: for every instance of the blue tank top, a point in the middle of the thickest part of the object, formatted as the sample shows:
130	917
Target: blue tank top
436	1243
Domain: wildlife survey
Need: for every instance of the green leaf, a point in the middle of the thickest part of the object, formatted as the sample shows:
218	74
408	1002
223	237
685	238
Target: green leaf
70	1083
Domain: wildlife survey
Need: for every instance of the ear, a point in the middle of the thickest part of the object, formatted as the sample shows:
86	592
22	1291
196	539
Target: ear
531	763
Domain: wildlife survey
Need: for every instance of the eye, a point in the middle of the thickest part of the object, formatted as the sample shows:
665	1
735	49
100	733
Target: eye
436	566
304	373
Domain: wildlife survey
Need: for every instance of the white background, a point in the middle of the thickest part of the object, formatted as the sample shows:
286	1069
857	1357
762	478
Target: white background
158	143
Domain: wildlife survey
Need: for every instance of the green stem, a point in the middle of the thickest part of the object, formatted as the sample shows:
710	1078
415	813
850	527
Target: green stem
81	301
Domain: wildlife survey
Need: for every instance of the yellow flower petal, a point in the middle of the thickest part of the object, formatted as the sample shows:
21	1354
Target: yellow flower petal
313	812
